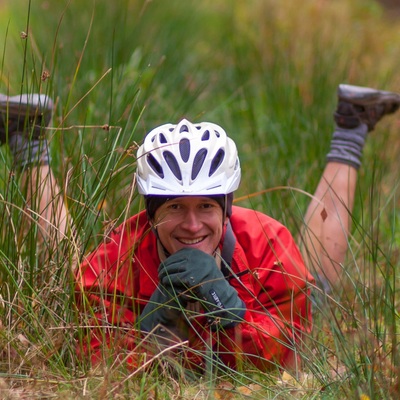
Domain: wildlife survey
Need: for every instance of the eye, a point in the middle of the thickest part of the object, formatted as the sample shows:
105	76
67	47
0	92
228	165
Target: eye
207	205
173	206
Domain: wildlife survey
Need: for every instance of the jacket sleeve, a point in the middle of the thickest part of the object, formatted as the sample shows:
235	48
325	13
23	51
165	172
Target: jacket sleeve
106	293
276	292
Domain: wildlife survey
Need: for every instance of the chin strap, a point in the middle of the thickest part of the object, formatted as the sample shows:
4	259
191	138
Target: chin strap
160	246
227	254
227	249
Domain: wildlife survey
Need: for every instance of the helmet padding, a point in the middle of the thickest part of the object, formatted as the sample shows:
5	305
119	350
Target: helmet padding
154	202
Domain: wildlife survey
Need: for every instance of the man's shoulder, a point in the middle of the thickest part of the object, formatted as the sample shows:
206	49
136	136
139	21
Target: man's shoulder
249	216
135	225
247	222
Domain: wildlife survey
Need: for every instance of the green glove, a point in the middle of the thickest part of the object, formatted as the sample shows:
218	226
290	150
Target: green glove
163	309
196	276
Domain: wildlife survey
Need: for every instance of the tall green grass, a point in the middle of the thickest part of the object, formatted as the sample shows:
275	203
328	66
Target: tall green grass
267	71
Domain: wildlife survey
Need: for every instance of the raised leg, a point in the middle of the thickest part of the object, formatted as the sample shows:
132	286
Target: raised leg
324	238
45	203
327	223
23	120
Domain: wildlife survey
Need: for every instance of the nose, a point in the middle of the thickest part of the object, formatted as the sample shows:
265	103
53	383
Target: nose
191	221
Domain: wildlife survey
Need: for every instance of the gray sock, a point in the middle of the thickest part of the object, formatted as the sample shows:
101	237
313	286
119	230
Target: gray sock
347	145
28	151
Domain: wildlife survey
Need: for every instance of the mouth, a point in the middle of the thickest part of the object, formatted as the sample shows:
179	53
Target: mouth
191	241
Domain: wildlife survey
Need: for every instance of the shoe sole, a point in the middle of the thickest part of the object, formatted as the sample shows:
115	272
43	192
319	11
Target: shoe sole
365	96
26	105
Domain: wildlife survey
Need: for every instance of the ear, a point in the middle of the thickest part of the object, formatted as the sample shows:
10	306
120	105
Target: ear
152	223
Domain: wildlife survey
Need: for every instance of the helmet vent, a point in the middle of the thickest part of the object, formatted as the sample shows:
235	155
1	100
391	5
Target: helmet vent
184	149
206	135
183	128
172	164
154	164
198	162
217	161
187	160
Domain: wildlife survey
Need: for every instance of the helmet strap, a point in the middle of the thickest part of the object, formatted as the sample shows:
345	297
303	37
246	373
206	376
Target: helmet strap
160	246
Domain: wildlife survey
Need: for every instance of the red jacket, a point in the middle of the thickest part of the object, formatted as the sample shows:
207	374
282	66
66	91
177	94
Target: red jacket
120	276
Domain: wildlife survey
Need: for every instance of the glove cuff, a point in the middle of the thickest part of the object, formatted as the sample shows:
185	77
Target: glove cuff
227	318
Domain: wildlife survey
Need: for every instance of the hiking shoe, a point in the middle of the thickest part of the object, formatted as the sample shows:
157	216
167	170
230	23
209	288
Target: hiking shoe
359	104
27	113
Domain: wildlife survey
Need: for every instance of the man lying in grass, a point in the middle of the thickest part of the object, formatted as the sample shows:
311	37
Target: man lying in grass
194	274
194	267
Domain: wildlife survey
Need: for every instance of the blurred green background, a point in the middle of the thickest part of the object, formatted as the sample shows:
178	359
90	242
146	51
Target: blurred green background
267	71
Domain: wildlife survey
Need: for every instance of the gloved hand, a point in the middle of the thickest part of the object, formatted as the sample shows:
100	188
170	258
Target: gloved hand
163	308
196	276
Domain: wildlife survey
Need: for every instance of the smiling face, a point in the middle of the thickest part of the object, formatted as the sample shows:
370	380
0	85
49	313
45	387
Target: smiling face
190	221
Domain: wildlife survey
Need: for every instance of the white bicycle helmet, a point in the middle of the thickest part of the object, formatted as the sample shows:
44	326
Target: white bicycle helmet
187	159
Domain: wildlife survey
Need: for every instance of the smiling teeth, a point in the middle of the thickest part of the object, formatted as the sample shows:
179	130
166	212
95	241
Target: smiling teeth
194	241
